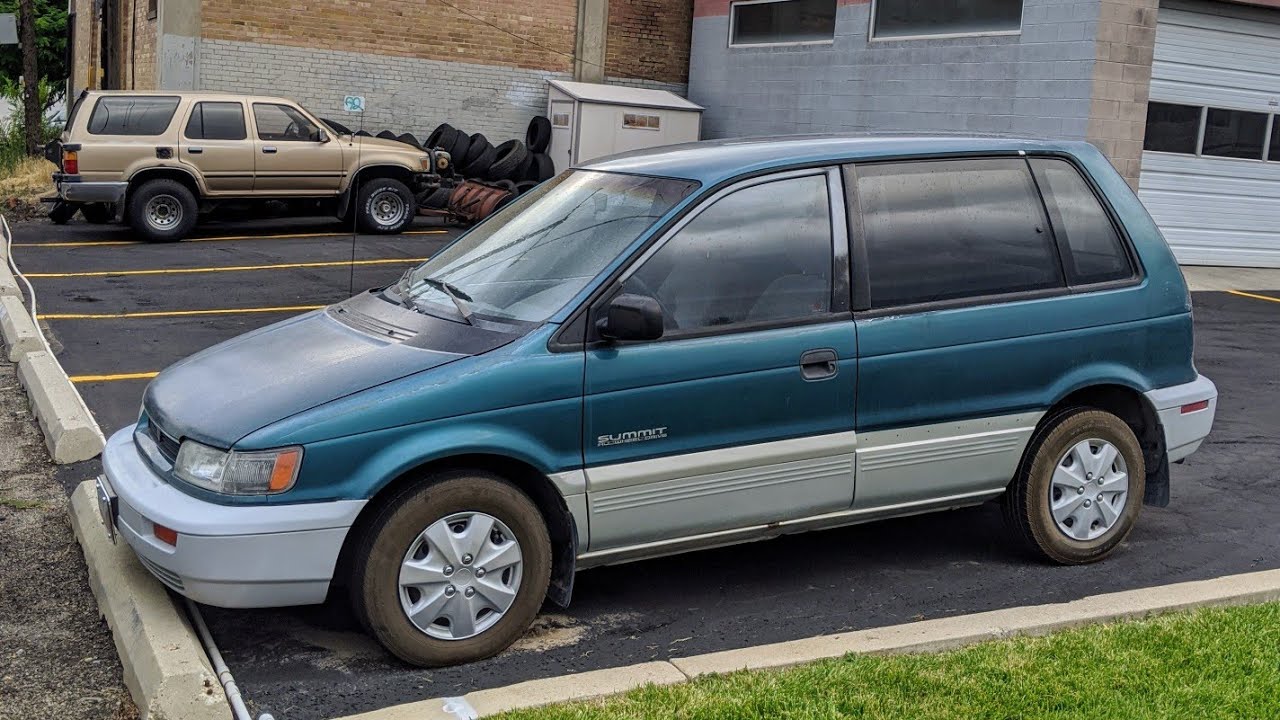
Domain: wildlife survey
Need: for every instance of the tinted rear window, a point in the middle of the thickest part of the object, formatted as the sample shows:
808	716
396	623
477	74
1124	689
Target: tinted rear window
126	115
216	121
943	230
1091	248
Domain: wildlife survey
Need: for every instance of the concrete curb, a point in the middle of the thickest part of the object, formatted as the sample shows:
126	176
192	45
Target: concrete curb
8	283
70	431
18	329
165	667
927	636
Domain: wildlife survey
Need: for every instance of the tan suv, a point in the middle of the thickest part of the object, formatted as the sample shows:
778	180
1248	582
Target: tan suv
159	159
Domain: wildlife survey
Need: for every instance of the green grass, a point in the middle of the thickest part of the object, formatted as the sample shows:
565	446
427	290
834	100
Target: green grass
17	504
1219	663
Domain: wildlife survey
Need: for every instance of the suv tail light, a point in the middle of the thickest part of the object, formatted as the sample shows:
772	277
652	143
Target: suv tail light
71	162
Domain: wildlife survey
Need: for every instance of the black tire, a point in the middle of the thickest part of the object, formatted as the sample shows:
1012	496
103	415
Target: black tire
525	186
98	213
479	166
510	154
62	212
369	206
542	168
538	136
461	144
387	135
477	145
169	197
505	185
522	171
409	139
437	199
442	137
380	551
363	133
1028	503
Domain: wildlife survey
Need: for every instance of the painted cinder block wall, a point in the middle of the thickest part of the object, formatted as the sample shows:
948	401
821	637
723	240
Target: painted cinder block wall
1080	69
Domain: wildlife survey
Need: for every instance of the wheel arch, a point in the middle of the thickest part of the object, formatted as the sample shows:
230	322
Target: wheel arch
535	484
371	172
1128	403
164	173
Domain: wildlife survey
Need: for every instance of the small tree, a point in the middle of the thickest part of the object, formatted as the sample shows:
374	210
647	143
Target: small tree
40	57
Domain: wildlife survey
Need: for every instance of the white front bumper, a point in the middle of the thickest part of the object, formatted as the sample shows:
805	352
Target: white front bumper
1184	431
226	555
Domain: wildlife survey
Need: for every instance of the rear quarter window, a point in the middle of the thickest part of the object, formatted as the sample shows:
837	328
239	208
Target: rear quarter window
1092	250
951	229
130	115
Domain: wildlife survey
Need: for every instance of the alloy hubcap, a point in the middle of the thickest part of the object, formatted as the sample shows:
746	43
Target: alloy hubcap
388	208
163	212
460	576
1088	490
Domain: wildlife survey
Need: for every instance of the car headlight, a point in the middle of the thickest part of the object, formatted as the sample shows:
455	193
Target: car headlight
238	473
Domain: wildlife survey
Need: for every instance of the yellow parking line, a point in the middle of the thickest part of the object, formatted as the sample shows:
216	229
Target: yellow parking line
228	268
228	238
109	378
1255	297
175	313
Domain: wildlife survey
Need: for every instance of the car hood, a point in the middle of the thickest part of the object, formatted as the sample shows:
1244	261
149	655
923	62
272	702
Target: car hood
228	391
377	143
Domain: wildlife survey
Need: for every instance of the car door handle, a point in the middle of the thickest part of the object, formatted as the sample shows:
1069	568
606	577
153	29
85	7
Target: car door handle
269	149
195	150
819	364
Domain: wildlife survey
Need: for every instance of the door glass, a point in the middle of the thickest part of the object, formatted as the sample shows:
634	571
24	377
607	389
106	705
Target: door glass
942	230
216	121
1092	249
281	123
130	115
760	255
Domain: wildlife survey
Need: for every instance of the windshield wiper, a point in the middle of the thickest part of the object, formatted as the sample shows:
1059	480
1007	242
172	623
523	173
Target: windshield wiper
459	298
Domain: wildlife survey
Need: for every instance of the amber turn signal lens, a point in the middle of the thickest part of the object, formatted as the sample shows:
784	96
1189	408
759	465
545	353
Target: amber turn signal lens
165	535
282	474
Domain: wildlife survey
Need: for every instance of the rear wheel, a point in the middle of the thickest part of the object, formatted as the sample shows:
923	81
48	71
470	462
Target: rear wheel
162	210
1080	491
452	570
385	206
98	213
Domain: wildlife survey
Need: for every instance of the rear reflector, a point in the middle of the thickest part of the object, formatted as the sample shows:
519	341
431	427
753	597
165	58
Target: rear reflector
166	535
1195	407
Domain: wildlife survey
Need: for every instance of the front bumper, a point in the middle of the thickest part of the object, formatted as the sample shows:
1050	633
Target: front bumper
231	556
1186	414
73	190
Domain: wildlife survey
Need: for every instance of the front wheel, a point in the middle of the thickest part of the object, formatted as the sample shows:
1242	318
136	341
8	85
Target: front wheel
1080	490
452	570
385	206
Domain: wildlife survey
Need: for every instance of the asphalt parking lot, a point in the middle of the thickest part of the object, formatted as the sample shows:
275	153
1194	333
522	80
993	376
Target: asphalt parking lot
315	663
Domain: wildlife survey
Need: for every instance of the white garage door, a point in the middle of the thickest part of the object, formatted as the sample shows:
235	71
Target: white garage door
1211	168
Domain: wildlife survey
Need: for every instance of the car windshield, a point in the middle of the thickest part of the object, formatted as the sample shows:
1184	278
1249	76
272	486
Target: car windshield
534	255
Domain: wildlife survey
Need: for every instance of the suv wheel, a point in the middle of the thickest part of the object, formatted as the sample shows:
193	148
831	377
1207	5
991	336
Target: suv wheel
1080	490
453	570
385	206
162	210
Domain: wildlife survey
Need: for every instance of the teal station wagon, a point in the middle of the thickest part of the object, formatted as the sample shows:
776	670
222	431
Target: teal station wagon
676	349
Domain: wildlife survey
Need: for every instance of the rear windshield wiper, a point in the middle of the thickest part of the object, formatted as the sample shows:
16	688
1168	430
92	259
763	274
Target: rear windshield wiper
459	298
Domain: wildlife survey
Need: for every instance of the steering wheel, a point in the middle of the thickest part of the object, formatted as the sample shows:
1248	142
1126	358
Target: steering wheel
292	131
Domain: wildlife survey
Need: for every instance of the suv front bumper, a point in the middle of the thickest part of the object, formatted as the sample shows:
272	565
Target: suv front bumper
72	189
233	556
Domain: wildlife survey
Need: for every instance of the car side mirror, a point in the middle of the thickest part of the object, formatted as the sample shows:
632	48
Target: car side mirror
322	136
631	317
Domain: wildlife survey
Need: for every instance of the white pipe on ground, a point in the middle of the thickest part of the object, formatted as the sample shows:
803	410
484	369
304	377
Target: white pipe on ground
224	674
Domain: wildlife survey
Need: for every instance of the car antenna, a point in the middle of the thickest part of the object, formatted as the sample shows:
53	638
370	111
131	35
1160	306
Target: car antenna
353	192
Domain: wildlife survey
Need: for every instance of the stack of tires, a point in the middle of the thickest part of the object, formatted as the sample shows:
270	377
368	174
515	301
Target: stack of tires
514	166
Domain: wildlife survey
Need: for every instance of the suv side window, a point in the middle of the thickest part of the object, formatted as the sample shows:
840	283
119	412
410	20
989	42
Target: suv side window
216	121
759	255
1091	248
132	115
281	123
950	229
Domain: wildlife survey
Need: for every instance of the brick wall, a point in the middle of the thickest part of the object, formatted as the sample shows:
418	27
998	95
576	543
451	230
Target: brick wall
133	39
1037	83
649	39
1126	37
419	29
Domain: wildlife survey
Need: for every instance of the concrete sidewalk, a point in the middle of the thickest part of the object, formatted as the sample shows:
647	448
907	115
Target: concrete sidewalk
1223	279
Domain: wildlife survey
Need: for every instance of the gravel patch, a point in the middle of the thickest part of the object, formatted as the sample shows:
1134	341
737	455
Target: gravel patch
57	659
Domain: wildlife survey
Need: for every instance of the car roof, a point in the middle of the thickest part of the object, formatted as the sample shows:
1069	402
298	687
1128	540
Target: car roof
194	94
712	161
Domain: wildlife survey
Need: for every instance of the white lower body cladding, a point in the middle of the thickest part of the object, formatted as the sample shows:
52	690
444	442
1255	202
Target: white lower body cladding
1184	431
226	555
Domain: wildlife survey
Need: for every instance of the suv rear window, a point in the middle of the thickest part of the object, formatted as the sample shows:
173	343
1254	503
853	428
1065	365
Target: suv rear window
949	229
216	121
130	115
